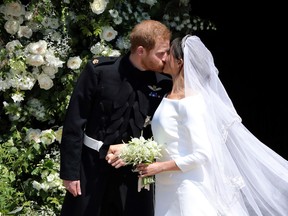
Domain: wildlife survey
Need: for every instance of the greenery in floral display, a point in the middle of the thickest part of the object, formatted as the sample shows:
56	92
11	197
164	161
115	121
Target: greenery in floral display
44	44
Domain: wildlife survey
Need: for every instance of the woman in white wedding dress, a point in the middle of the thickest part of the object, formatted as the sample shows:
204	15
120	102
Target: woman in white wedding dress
211	165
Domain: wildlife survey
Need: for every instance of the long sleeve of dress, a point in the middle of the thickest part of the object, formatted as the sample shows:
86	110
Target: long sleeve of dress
196	145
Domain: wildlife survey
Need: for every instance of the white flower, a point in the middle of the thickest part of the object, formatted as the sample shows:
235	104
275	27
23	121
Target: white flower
54	23
58	134
166	17
49	22
50	177
10	46
24	31
45	22
45	82
50	71
118	20
114	13
44	186
140	150
23	82
33	25
36	109
97	49
114	53
36	185
177	18
33	134
28	15
12	26
14	9
56	36
17	97
98	6
149	2
108	33
47	136
123	43
35	60
4	85
74	62
52	60
39	47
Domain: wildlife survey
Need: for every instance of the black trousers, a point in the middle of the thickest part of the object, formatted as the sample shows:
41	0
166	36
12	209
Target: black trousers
107	191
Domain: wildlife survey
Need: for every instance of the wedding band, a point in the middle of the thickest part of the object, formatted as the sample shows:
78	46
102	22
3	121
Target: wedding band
140	172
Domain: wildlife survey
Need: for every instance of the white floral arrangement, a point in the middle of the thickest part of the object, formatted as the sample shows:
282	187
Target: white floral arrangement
141	150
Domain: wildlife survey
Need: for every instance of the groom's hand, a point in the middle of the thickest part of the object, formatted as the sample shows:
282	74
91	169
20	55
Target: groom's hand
73	187
112	156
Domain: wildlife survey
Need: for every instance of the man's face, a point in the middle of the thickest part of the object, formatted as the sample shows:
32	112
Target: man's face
154	60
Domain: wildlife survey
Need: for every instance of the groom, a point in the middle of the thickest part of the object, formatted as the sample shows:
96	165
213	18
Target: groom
112	102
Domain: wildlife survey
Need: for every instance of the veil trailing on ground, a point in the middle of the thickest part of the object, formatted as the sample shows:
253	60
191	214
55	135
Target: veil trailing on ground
248	177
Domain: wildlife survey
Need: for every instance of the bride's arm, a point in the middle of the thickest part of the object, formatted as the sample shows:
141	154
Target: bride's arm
156	167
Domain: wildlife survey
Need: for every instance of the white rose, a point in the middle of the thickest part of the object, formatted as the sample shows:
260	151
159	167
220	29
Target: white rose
15	9
50	71
35	60
47	136
98	6
45	82
74	62
108	33
24	31
12	26
33	134
39	47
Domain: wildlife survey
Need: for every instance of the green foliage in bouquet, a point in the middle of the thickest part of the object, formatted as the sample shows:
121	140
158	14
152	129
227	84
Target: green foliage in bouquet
138	151
44	45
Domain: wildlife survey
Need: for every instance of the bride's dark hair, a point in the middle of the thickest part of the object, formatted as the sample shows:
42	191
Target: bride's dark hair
176	48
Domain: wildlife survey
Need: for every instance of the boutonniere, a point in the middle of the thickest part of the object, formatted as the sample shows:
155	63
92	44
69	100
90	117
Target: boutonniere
154	89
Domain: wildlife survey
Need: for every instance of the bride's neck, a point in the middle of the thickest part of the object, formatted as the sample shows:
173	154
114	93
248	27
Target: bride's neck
177	91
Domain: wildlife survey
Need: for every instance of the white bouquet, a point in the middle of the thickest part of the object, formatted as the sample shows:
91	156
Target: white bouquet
139	150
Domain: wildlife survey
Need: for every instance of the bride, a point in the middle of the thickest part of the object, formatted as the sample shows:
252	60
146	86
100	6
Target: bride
211	163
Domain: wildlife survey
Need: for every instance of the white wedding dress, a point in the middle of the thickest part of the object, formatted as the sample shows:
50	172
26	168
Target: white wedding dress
224	169
183	135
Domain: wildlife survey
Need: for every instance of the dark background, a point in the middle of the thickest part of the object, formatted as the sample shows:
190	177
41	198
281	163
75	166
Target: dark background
249	49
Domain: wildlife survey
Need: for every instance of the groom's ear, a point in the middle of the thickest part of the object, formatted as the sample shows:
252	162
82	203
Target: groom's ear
140	50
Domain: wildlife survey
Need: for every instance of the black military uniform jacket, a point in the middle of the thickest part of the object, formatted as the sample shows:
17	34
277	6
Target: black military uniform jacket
111	101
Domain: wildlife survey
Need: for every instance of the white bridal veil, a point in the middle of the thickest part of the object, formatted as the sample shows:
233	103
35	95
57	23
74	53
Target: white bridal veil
248	177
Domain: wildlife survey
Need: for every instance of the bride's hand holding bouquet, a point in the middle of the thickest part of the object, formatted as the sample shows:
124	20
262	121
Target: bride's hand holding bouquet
138	152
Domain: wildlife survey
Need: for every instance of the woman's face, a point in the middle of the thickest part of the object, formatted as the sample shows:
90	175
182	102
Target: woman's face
172	65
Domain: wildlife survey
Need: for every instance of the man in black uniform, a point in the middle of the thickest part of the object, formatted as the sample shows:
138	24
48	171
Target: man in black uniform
112	102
